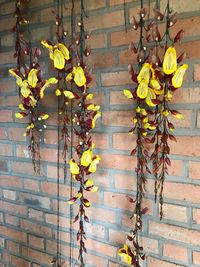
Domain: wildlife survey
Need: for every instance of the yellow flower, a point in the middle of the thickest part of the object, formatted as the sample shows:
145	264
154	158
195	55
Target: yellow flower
150	96
93	107
93	165
178	116
154	84
89	97
145	120
58	92
25	90
58	59
18	78
30	126
97	115
94	189
177	79
170	61
21	106
74	168
46	44
79	76
86	158
145	73
47	83
32	78
64	51
89	183
142	89
69	94
135	120
69	77
123	253
168	96
128	93
79	195
33	101
138	109
20	115
44	116
165	112
143	111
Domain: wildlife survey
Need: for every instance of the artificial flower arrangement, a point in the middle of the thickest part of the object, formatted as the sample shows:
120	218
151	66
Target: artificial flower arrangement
154	84
31	86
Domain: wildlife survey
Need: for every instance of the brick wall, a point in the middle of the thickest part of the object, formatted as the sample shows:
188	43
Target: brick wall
28	202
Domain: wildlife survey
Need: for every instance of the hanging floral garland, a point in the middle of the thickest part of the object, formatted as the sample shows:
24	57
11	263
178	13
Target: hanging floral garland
85	116
154	83
31	88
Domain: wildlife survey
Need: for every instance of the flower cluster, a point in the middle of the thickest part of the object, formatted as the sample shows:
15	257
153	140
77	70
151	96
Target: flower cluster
154	84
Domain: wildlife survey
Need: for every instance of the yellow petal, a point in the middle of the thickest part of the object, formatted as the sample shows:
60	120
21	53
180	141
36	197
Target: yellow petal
93	165
25	91
74	168
97	115
165	112
33	101
94	189
128	93
170	61
44	116
177	79
178	116
79	76
46	44
93	107
32	78
79	195
89	183
19	115
64	50
21	106
58	92
142	89
168	96
89	97
143	112
47	83
145	73
150	96
69	77
30	126
18	78
68	94
87	204
59	60
138	109
86	158
154	84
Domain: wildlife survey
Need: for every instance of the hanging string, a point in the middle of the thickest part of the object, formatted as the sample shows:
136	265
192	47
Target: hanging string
125	20
71	150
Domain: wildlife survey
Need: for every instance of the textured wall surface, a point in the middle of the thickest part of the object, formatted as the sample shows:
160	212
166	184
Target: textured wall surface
28	202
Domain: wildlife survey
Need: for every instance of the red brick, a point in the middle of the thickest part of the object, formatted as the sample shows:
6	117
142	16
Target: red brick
186	145
9	194
188	48
38	201
6	149
3	165
51	137
123	37
181	6
120	162
117	200
196	257
175	252
6	116
15	260
35	215
100	140
103	248
36	241
159	263
7	40
31	185
52	172
24	167
35	228
198	119
104	21
175	233
6	8
194	170
197	72
12	246
97	41
7	86
127	57
187	95
38	34
13	234
13	208
42	258
101	214
94	4
2	242
51	188
17	134
184	192
37	3
175	213
3	133
118	98
117	118
115	78
124	182
10	181
6	23
196	215
14	220
95	60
